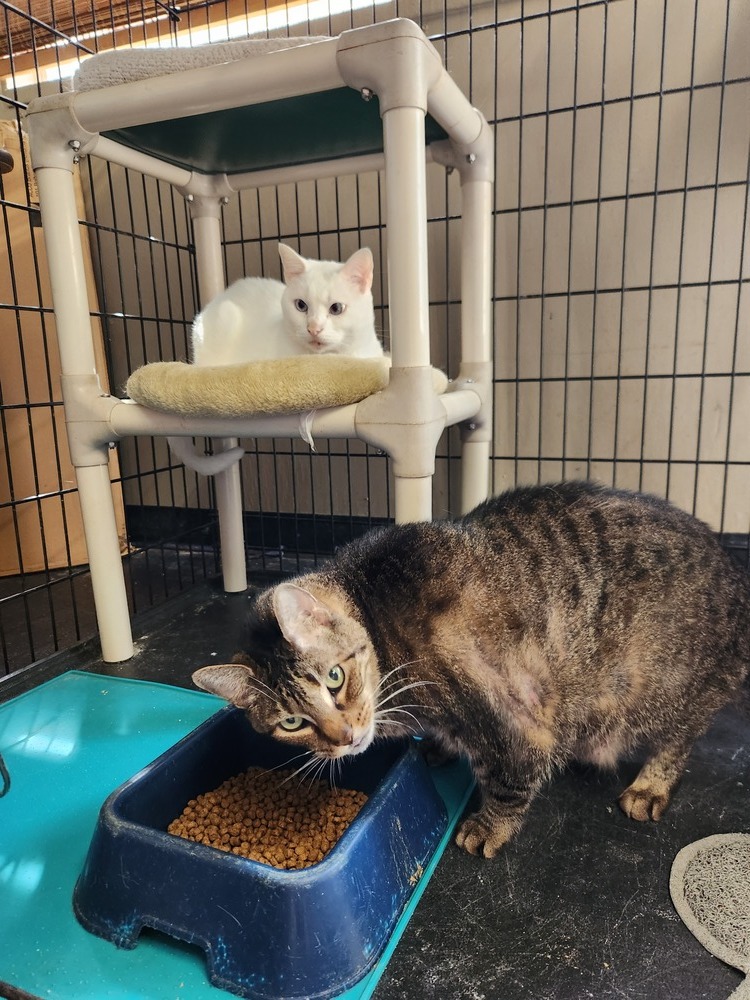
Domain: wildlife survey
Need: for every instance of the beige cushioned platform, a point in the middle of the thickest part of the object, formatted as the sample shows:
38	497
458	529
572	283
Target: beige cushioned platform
283	385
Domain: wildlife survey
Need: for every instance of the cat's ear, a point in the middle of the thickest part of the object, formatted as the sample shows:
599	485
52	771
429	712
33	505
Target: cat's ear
358	269
232	681
302	618
291	263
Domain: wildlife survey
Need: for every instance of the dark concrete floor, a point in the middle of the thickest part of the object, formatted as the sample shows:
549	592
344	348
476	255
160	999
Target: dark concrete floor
576	907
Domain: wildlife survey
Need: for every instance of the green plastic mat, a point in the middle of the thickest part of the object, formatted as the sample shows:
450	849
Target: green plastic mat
305	129
67	744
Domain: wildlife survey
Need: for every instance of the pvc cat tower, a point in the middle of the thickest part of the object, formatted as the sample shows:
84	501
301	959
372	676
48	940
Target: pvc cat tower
211	131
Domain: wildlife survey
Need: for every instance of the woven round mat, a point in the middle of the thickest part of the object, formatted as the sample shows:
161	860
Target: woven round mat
710	888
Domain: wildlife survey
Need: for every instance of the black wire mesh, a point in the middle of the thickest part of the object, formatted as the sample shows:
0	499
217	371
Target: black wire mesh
621	288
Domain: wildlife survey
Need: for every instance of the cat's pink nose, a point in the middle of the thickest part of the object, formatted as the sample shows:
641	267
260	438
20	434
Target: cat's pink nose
346	736
338	733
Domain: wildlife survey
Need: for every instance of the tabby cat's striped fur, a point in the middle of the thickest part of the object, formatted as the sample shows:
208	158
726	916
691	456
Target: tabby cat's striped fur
551	623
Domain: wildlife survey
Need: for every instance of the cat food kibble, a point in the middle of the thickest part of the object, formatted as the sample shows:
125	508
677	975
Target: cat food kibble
264	816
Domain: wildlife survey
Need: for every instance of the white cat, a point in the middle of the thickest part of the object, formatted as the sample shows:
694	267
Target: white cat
322	307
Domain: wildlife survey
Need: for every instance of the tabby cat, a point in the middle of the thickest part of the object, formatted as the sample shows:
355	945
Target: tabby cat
550	624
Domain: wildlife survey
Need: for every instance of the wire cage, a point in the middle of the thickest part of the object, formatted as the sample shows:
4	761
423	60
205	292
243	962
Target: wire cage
621	304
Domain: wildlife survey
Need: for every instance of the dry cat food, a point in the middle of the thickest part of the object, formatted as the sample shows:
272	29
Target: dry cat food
264	816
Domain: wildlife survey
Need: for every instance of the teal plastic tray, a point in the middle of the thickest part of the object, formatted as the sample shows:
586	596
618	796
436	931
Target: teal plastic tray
68	744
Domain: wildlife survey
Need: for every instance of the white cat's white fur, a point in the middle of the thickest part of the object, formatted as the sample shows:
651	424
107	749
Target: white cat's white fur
321	307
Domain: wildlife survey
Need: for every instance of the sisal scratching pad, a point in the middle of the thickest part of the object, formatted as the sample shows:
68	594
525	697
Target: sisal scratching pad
282	385
710	887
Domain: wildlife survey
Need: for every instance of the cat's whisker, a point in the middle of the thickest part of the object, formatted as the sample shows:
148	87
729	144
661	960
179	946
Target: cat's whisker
260	687
297	774
312	774
381	716
390	688
316	764
423	708
260	691
286	763
399	724
312	771
386	719
406	687
402	710
317	773
400	666
337	769
303	768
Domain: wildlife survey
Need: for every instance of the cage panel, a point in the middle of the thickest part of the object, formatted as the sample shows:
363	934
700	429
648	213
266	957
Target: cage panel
622	317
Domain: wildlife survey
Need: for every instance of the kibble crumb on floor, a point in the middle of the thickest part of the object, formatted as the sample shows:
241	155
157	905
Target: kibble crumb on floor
269	816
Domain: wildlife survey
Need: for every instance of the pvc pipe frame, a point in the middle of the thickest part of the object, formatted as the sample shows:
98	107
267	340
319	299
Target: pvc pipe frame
67	279
119	418
206	216
406	419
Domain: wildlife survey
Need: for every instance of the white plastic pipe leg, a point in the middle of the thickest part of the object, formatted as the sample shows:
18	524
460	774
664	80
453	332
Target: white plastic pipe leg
413	499
207	233
406	226
476	335
475	463
105	561
67	277
231	527
476	271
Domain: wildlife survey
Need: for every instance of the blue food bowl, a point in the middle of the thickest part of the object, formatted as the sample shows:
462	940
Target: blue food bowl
267	933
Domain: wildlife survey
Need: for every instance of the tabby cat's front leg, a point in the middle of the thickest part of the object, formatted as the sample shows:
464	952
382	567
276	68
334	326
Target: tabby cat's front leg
499	817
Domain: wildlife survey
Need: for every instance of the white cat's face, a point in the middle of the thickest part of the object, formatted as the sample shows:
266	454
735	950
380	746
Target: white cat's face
327	305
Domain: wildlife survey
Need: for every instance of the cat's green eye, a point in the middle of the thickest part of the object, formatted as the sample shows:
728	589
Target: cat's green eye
334	679
300	305
292	723
336	308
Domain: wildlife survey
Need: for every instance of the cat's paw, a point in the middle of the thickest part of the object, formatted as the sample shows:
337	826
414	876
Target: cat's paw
485	835
642	801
